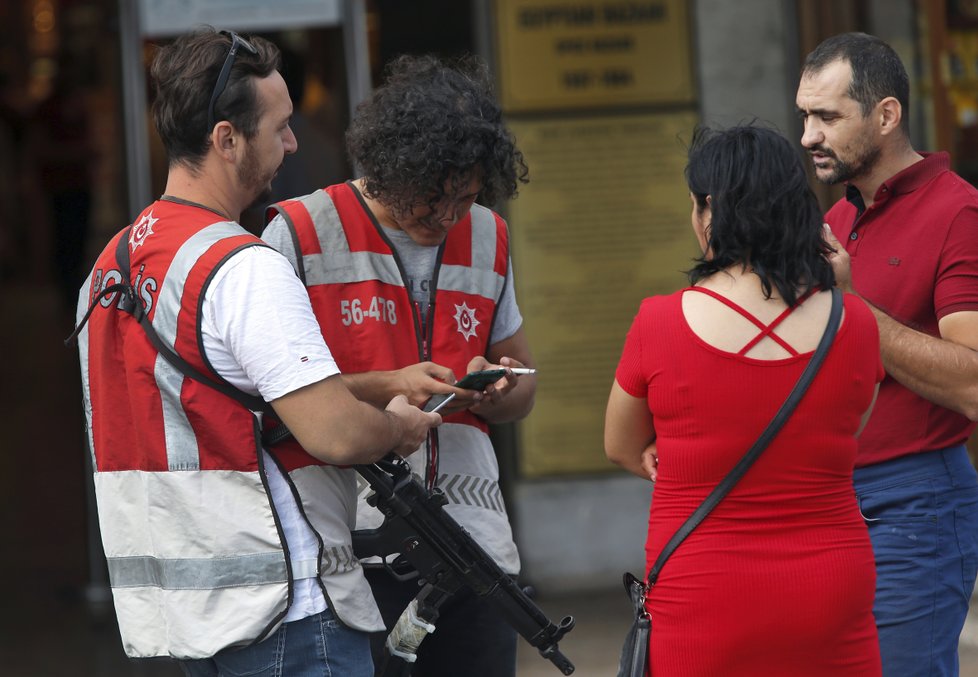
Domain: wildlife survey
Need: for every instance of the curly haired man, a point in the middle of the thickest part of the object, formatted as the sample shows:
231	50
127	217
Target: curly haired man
412	284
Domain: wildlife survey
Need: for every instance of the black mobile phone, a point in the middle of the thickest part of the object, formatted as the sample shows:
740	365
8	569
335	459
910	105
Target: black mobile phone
477	380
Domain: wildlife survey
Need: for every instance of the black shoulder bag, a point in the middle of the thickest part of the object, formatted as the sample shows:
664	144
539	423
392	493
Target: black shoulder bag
635	651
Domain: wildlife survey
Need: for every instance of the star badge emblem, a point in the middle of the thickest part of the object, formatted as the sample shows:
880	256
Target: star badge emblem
465	317
141	231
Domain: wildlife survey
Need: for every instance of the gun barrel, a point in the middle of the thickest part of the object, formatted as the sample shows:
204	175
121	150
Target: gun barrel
558	659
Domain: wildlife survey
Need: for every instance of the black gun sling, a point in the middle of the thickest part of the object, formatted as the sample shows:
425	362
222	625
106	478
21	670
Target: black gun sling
130	303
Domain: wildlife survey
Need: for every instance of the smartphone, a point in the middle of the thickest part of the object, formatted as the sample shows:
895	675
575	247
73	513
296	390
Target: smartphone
477	380
436	402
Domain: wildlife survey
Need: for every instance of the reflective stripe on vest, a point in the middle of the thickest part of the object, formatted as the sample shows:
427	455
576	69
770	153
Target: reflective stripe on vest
462	489
335	263
467	490
181	444
205	573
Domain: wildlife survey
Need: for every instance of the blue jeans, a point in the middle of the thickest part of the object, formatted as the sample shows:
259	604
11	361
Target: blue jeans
317	646
922	514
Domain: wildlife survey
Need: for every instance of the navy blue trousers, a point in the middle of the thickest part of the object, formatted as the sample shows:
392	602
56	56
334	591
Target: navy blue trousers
922	514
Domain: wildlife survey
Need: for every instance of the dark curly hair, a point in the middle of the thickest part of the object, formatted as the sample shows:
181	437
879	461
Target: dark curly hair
184	73
764	214
430	124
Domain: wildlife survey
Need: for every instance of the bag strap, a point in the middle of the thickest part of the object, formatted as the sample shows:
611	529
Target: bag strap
780	418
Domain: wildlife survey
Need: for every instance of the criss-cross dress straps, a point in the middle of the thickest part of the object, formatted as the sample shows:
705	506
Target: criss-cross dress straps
767	330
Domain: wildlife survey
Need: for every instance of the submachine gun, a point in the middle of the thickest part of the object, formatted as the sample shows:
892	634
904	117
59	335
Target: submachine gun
446	558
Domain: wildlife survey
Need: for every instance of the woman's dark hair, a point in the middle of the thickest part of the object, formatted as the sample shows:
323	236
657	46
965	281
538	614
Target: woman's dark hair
429	124
184	73
764	214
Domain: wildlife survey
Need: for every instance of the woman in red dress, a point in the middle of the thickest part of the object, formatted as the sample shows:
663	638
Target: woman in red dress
779	578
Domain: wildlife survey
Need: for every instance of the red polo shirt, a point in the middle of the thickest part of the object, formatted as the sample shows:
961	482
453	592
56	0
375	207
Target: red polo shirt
915	256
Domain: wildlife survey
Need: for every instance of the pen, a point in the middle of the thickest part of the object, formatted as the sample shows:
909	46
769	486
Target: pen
521	370
448	398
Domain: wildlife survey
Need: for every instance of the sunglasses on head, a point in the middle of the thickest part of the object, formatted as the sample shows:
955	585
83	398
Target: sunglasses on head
222	79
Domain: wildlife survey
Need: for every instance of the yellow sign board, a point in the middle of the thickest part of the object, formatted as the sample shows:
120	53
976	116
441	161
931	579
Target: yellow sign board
603	223
598	53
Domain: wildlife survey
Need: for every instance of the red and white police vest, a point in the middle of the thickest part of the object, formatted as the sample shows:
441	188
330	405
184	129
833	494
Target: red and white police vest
194	549
370	323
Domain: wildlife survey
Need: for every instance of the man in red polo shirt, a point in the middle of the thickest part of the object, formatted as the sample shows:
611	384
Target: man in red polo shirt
910	228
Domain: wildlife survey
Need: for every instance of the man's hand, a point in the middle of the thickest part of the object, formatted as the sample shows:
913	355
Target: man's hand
334	426
418	382
839	260
494	392
421	381
412	423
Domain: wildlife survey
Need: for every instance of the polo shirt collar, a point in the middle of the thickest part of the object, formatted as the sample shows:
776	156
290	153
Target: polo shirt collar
907	181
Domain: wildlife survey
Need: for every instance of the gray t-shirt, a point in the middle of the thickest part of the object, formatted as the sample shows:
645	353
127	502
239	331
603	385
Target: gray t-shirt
419	267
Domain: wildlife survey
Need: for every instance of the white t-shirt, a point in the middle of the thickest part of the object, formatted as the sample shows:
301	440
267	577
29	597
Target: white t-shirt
259	333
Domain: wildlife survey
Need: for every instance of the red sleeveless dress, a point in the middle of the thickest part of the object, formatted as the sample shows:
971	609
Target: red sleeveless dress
779	579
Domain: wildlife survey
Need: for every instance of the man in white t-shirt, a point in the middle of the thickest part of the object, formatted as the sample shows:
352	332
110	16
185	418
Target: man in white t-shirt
222	554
